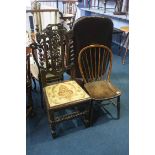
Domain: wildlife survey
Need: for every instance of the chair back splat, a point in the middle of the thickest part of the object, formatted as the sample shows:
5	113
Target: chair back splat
95	63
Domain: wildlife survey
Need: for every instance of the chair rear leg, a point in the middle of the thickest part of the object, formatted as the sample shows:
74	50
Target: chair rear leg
118	107
34	83
91	113
41	94
127	50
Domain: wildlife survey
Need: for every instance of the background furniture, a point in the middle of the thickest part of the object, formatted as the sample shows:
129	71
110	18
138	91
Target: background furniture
69	12
87	31
124	42
101	4
95	63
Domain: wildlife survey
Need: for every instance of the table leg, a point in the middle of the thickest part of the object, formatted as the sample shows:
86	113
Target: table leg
126	51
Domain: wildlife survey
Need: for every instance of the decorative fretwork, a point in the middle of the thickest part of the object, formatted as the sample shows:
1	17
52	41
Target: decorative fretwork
51	48
48	52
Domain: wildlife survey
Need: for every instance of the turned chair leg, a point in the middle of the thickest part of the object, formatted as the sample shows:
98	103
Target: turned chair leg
118	107
53	126
91	113
126	51
88	115
41	94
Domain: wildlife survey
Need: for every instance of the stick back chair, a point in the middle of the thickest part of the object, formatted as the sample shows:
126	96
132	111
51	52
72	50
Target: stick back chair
95	63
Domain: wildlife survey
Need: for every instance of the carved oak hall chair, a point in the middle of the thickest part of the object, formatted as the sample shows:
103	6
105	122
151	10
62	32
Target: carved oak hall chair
49	52
87	31
65	101
95	63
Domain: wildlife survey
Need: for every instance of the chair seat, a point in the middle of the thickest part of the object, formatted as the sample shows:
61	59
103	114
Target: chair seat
64	93
102	90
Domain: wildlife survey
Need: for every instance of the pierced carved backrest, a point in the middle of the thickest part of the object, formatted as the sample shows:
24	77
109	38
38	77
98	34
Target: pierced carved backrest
95	63
50	49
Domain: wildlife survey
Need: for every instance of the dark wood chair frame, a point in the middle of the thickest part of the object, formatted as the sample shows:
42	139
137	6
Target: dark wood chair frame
49	52
82	109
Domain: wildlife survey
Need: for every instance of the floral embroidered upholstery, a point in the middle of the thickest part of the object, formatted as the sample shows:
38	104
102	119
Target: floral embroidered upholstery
65	93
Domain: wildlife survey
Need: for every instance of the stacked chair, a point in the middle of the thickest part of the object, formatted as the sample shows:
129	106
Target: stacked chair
87	31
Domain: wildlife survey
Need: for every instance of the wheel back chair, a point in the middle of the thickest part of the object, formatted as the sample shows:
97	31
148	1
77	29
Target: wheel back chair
95	63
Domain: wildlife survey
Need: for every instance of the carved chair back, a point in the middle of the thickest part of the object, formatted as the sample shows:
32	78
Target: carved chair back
50	50
95	63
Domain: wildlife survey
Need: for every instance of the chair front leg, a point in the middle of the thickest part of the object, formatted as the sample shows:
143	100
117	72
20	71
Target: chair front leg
91	113
53	125
88	114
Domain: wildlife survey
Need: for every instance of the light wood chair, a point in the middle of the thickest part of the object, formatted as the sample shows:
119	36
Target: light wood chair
95	63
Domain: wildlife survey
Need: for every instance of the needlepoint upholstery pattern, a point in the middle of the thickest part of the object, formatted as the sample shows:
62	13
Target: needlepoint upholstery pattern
65	93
